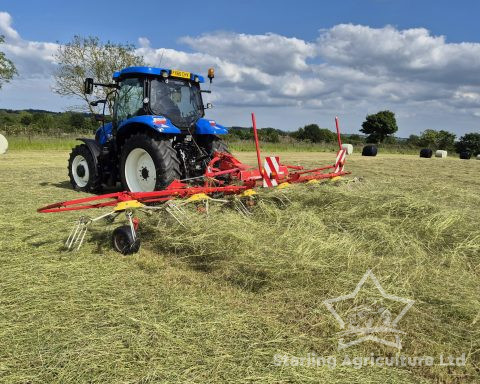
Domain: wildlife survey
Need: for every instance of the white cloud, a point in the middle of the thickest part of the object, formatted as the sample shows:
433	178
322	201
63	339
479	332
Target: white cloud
412	53
6	27
270	53
349	70
32	58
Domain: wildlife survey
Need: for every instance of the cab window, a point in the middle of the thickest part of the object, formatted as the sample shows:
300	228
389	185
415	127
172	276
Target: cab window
130	99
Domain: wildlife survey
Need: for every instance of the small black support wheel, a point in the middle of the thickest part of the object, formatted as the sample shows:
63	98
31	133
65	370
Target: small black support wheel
82	171
123	242
148	164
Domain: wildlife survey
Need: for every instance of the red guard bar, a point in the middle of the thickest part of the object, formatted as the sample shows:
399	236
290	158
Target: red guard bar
257	145
338	133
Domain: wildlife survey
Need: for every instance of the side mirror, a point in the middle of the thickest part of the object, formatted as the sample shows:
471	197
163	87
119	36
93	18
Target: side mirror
88	85
96	102
209	106
100	118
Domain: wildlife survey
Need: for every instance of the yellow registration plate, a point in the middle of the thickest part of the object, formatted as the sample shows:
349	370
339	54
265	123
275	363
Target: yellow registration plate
183	74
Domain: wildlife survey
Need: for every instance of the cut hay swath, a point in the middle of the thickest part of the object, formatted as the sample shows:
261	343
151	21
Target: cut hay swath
225	176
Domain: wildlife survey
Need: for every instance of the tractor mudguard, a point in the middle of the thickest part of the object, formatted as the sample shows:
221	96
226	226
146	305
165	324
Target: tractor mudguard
209	127
94	148
159	123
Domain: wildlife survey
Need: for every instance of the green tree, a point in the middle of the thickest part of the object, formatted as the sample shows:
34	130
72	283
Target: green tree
269	135
77	121
89	57
26	118
445	140
311	132
469	142
7	68
379	125
327	136
413	140
314	134
428	138
5	118
437	139
44	122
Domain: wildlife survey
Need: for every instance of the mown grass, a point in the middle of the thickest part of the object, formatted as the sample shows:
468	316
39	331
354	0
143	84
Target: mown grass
215	301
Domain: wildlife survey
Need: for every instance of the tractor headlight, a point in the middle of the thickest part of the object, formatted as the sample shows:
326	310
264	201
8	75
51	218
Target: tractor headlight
164	74
196	79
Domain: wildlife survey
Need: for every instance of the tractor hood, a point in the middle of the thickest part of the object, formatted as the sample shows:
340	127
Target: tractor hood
209	127
159	123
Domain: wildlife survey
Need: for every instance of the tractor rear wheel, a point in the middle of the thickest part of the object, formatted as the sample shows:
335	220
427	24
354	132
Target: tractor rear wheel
148	164
82	171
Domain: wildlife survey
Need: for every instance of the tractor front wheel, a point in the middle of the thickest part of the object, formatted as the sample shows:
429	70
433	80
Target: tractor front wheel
148	164
82	170
212	144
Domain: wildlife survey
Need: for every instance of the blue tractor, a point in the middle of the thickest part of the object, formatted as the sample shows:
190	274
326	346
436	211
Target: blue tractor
158	132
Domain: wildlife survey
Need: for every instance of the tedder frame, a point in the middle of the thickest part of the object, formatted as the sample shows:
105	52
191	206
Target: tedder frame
225	175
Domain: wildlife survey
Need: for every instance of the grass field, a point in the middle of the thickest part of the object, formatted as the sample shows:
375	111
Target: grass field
215	301
68	141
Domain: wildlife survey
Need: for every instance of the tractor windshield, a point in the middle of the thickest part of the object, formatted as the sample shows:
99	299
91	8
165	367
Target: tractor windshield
179	100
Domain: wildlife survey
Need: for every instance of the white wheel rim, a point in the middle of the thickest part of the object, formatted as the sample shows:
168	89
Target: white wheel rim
140	171
81	181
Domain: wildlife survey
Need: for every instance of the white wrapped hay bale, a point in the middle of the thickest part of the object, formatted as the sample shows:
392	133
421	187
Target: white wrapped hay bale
3	145
478	157
348	147
441	154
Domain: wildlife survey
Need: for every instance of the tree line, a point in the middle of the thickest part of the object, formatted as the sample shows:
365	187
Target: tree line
381	127
35	122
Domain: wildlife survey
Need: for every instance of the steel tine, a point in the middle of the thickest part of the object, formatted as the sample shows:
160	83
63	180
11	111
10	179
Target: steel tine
76	231
130	222
174	211
71	236
242	208
81	237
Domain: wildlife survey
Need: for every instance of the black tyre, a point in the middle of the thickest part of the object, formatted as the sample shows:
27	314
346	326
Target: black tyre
369	150
211	144
465	155
123	242
148	164
426	152
83	173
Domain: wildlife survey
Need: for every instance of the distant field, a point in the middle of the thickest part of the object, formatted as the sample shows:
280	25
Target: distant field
69	141
214	302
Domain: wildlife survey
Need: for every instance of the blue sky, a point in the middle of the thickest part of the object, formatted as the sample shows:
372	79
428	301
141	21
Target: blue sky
57	20
346	57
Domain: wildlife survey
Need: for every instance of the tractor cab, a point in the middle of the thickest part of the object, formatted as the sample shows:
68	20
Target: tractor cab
173	94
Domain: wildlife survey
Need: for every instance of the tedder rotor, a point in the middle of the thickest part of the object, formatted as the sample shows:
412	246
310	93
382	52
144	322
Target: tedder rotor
225	178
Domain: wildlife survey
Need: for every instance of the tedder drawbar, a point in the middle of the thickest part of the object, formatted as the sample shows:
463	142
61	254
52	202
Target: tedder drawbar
225	178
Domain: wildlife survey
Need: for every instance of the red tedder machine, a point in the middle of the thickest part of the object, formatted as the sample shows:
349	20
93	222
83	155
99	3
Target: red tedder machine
224	177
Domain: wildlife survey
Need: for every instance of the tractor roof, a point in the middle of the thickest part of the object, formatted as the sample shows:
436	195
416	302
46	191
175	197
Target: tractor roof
126	72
